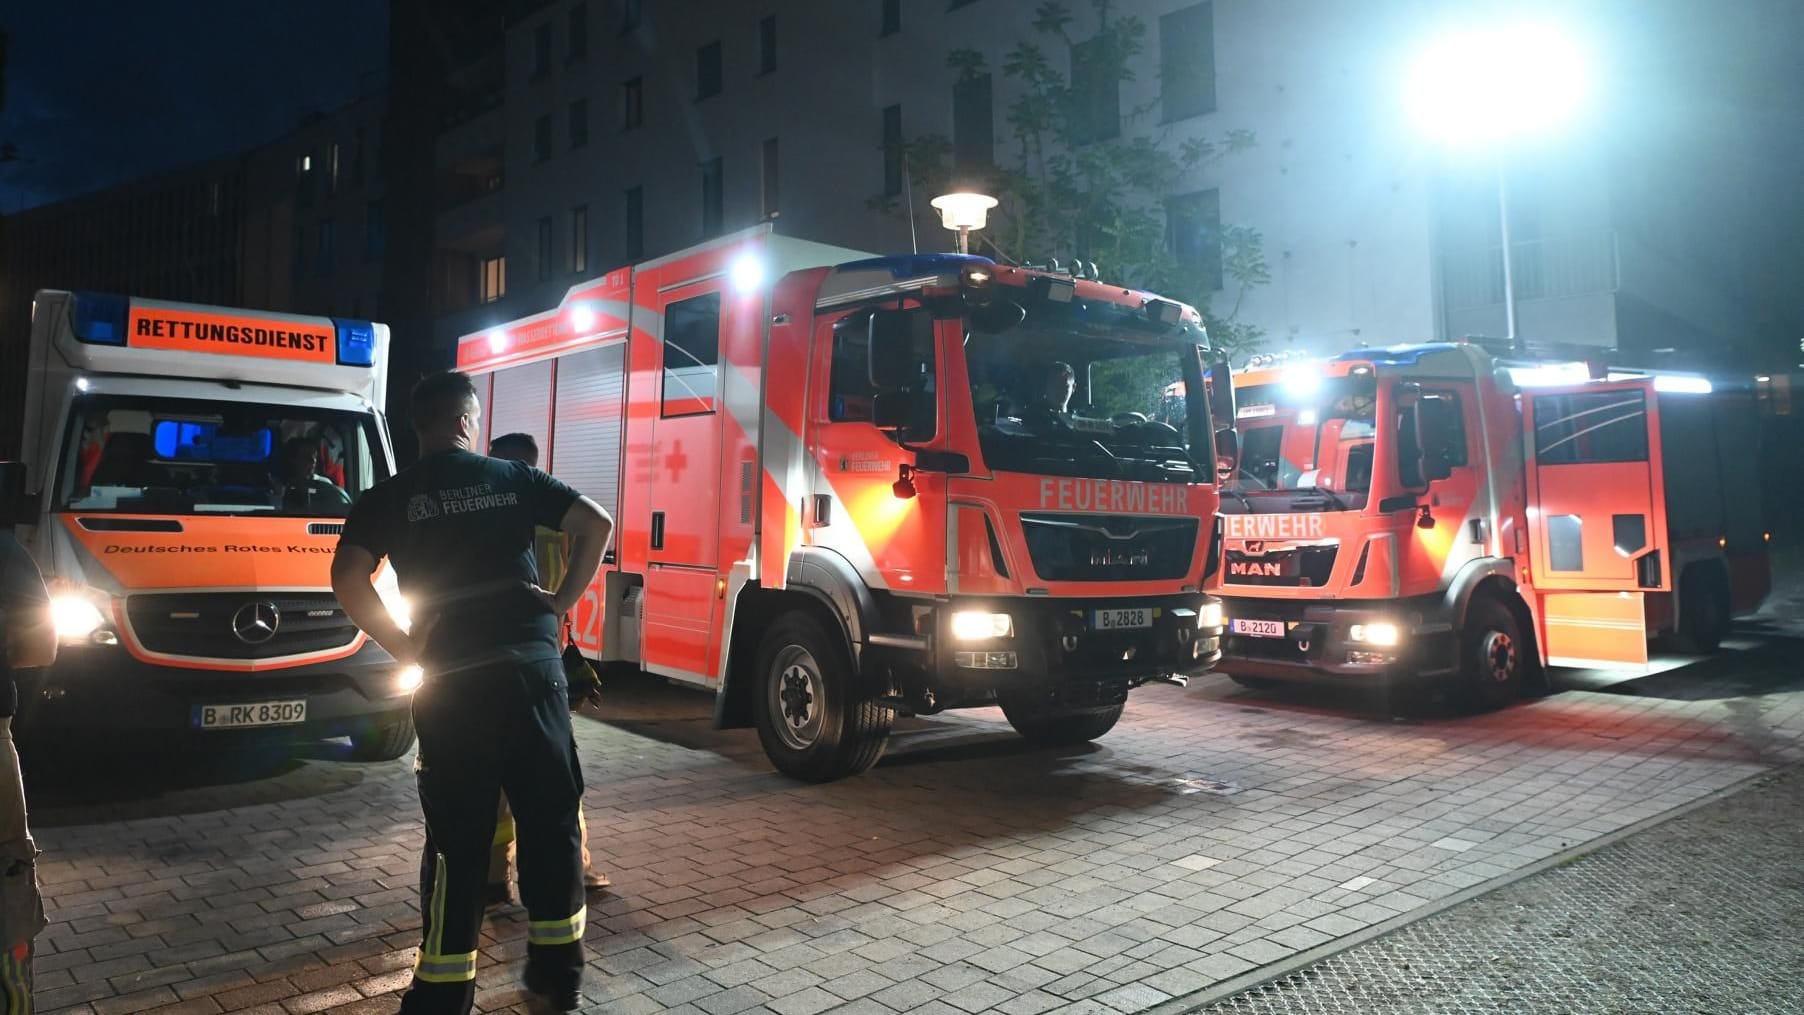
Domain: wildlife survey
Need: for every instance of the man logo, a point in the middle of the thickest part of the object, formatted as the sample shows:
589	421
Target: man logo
421	507
1255	568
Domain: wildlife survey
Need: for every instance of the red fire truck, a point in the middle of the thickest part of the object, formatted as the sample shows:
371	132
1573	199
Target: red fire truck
851	487
1431	512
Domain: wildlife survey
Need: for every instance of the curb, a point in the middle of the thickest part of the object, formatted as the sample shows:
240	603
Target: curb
1278	970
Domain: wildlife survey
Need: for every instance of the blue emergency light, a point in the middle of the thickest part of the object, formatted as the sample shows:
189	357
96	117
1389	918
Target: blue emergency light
356	342
99	318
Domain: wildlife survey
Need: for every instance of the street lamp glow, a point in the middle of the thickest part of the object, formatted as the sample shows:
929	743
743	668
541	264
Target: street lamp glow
962	212
1482	87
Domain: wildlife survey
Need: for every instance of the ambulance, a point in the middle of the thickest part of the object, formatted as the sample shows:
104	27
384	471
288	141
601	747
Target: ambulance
1436	515
850	488
186	472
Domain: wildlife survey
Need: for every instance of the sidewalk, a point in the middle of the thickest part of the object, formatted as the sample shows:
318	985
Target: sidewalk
1704	913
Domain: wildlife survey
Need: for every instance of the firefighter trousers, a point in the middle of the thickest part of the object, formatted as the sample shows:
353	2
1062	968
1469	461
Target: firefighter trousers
482	733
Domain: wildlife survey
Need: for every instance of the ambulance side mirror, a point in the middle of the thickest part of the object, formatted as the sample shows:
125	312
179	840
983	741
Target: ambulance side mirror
16	506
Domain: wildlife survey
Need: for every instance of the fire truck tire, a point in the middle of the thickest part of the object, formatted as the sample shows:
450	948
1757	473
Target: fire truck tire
815	722
1254	683
1703	611
1049	727
384	743
1492	655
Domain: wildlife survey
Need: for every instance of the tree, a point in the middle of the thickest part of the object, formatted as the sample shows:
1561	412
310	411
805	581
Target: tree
1085	183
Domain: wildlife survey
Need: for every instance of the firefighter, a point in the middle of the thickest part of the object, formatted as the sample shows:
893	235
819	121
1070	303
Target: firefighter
1054	404
27	639
493	711
523	447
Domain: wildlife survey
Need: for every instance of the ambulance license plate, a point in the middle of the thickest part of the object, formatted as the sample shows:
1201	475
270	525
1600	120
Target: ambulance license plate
262	713
1258	628
1121	620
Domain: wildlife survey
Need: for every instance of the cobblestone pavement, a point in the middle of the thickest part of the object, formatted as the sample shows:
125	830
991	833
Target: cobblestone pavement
1702	914
1214	832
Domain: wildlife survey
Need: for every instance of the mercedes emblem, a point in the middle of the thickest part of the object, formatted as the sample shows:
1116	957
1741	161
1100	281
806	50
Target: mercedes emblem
255	623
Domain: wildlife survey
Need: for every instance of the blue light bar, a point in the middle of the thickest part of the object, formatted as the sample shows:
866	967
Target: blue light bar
916	265
99	318
356	342
1395	355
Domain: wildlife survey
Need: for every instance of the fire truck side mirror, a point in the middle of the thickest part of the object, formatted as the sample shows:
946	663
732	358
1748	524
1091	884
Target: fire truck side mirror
1227	455
901	346
1436	426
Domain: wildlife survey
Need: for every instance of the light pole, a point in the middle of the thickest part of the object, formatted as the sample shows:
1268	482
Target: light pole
962	212
1485	89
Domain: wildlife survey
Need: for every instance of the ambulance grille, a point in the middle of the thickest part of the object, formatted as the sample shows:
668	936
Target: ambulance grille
199	625
1079	548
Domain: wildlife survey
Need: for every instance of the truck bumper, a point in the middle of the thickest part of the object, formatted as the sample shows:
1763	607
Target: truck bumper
101	694
1318	645
1063	647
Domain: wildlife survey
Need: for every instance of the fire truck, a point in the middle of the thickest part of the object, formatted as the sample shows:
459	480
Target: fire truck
186	472
848	487
1430	513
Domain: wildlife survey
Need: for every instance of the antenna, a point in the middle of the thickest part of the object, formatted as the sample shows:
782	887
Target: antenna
909	192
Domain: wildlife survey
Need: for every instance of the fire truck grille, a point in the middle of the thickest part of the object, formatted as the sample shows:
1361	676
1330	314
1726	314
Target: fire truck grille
1109	547
1307	567
238	625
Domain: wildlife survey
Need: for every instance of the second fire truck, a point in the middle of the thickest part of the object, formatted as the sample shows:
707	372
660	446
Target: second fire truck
852	487
1415	513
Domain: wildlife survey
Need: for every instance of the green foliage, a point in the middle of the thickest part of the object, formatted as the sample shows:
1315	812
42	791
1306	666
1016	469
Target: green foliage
1073	190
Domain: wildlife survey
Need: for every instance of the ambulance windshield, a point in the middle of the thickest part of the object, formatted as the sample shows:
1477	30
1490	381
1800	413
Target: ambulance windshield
1057	397
165	456
1310	439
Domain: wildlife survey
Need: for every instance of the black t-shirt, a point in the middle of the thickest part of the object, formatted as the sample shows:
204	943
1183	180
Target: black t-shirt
458	529
21	592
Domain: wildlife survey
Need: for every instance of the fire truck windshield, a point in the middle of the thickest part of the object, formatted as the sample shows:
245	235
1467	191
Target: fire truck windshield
1308	445
1057	398
168	456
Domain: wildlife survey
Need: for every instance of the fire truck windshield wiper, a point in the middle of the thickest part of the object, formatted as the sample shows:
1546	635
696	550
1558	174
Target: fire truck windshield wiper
1325	494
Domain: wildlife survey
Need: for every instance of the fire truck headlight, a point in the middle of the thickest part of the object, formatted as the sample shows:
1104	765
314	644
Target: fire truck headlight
1375	634
409	679
1209	614
76	616
973	625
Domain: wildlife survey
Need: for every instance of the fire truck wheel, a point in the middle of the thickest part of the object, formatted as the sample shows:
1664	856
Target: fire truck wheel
813	720
1254	683
1043	724
1703	611
384	743
1492	655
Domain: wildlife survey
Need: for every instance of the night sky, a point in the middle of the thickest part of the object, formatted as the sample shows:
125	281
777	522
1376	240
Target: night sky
108	91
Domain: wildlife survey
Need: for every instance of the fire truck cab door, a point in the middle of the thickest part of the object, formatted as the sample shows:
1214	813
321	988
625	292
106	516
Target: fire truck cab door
1596	517
684	501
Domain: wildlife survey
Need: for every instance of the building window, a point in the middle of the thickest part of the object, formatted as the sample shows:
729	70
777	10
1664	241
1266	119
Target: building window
973	125
769	177
1096	84
332	169
712	192
579	239
375	231
891	17
635	223
892	150
691	355
579	123
632	103
1193	230
494	279
1187	62
541	139
767	45
544	248
303	181
579	32
707	71
303	164
328	243
632	15
357	158
541	51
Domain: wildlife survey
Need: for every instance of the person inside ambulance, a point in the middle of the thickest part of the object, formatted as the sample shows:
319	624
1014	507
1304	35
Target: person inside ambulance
296	484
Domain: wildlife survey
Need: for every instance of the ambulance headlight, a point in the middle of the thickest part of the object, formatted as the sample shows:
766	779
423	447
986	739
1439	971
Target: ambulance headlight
1375	634
77	615
974	625
409	679
1209	614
